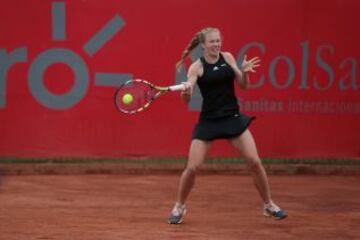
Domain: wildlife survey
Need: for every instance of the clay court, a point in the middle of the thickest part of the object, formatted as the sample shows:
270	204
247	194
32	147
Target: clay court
93	206
87	153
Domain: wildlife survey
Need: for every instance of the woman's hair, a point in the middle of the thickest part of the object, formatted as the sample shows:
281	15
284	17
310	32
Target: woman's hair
198	38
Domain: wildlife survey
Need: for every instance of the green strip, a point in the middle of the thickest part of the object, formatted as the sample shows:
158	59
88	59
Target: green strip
14	160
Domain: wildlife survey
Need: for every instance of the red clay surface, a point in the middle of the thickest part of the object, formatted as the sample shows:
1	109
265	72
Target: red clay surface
106	207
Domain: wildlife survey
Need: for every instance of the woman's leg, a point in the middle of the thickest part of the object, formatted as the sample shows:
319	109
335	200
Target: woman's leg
197	154
246	145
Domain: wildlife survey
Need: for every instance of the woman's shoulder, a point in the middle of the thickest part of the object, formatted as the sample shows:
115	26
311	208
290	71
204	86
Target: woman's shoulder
196	65
227	55
229	58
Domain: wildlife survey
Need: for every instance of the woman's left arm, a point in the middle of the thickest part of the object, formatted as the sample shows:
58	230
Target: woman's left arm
242	75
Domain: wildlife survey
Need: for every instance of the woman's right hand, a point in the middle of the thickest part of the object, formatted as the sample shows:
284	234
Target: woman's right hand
187	92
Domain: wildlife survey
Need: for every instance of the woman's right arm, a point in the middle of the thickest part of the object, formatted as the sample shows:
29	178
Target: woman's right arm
192	76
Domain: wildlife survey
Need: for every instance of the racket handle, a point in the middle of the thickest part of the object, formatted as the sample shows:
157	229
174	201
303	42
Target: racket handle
178	87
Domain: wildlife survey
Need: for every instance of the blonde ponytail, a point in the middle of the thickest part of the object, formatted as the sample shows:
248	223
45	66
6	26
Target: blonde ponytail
195	41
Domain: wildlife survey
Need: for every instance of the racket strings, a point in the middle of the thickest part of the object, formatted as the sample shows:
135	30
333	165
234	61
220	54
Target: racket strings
141	95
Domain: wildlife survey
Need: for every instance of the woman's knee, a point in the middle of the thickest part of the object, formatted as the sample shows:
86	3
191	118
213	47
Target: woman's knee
190	171
193	166
254	164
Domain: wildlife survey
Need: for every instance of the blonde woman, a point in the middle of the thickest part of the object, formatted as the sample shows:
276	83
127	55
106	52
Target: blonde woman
220	118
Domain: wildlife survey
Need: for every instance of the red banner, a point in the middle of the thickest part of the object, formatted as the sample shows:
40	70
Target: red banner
61	61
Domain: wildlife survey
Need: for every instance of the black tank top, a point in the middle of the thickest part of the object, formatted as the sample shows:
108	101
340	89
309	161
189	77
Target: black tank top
217	89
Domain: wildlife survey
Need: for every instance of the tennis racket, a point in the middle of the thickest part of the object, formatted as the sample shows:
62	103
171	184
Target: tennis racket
136	95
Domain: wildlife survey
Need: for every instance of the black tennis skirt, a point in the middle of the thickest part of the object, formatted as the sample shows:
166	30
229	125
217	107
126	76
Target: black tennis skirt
209	129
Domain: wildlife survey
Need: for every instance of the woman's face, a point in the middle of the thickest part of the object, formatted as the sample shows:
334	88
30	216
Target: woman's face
212	43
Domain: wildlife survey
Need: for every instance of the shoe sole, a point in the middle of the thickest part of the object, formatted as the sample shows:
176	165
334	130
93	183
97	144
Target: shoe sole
179	222
267	214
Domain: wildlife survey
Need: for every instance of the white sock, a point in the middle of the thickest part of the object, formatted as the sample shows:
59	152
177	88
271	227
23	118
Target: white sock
179	205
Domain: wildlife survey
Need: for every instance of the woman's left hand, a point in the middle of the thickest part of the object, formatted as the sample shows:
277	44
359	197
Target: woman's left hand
249	66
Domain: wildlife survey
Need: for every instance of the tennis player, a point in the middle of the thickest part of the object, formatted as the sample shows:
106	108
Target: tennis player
220	118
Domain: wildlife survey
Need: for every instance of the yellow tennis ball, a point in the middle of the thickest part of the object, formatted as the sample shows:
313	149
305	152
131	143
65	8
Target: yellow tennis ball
127	98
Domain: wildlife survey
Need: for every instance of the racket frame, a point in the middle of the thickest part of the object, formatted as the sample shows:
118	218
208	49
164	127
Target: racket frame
161	91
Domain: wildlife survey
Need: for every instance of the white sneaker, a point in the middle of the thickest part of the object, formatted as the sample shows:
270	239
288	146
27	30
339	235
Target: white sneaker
272	210
177	213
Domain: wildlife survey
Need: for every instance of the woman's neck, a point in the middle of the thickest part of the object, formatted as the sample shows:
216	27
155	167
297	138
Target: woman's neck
211	58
